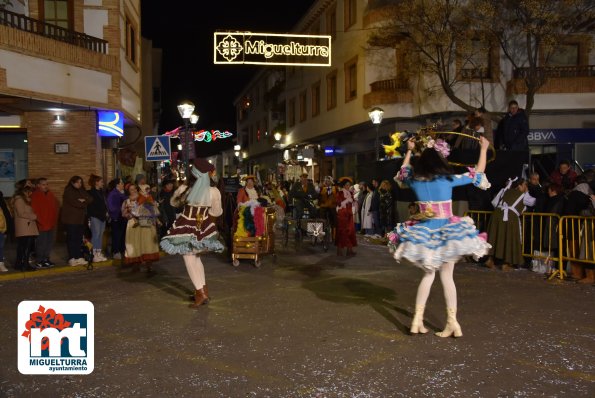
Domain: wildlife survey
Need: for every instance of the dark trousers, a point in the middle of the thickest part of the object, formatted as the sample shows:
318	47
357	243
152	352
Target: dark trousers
24	244
74	240
44	244
118	235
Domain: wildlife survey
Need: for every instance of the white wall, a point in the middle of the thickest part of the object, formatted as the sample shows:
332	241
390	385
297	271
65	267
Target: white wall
94	21
52	78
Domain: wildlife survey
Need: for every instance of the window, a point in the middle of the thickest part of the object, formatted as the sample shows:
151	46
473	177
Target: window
351	79
350	13
565	55
331	22
478	59
291	112
316	99
303	105
131	41
331	90
56	12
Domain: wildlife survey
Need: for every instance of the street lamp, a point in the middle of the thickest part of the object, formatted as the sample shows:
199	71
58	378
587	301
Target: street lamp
186	109
278	135
376	117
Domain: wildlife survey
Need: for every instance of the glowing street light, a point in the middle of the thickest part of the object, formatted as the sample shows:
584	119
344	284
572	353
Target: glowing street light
375	115
186	110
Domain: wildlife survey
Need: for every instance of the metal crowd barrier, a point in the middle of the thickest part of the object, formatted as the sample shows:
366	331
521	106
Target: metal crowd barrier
576	240
481	219
541	239
550	237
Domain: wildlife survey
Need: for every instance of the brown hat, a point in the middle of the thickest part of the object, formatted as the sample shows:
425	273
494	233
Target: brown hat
203	165
249	177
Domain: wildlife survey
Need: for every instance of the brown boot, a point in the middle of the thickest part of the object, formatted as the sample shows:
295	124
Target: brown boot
490	263
507	268
200	298
590	276
339	252
206	290
350	252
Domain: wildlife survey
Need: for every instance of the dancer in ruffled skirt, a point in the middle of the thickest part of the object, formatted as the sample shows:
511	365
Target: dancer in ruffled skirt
435	239
194	232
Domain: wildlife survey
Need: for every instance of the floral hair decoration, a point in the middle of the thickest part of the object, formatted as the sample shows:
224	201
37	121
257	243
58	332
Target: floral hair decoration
439	145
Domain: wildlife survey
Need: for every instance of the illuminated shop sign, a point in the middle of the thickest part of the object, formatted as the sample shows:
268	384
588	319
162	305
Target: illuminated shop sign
110	124
271	49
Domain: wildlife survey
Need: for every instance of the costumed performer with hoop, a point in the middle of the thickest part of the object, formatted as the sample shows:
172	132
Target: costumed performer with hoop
194	232
436	239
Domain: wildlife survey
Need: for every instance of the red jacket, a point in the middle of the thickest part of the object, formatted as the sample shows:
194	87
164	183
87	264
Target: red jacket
45	205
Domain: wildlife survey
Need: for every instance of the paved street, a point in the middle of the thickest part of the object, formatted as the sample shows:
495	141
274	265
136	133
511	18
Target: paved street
313	325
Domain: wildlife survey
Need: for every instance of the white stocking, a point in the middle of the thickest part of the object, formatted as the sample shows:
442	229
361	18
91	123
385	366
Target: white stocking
423	290
448	284
195	269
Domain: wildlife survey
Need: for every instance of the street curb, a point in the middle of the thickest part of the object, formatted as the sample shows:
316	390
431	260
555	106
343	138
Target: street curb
60	269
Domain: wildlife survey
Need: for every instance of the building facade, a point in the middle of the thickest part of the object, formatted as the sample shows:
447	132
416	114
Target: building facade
327	127
61	62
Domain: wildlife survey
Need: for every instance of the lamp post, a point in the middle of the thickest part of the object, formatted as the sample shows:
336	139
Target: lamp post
186	109
376	117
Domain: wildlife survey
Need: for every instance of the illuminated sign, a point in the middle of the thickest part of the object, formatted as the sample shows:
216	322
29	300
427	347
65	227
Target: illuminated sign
110	124
271	49
208	136
329	151
201	135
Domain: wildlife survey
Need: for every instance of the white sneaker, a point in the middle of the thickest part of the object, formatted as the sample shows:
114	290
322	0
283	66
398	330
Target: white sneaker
117	256
3	267
81	261
73	262
98	258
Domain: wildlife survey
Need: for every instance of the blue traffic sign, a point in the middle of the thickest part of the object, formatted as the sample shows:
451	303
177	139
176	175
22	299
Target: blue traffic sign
157	148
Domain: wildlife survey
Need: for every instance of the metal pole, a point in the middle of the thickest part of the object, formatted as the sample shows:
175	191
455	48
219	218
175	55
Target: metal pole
187	146
376	146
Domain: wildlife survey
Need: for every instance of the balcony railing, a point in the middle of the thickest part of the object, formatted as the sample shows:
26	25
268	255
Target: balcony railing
22	22
558	71
389	85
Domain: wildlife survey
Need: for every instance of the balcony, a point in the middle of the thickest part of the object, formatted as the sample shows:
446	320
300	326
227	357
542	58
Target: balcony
559	80
389	91
24	23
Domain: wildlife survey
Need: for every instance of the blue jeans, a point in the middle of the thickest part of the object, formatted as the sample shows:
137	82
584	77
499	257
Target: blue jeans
97	228
2	238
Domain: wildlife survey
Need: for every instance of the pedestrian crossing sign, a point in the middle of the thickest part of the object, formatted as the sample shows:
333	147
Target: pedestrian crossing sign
157	148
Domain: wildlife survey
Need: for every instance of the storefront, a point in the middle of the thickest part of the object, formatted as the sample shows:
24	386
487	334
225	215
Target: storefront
550	146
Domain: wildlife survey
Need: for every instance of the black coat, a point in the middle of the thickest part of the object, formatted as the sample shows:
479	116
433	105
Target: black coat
512	132
98	207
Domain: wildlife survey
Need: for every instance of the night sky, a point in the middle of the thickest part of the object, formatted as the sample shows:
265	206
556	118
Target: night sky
184	30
